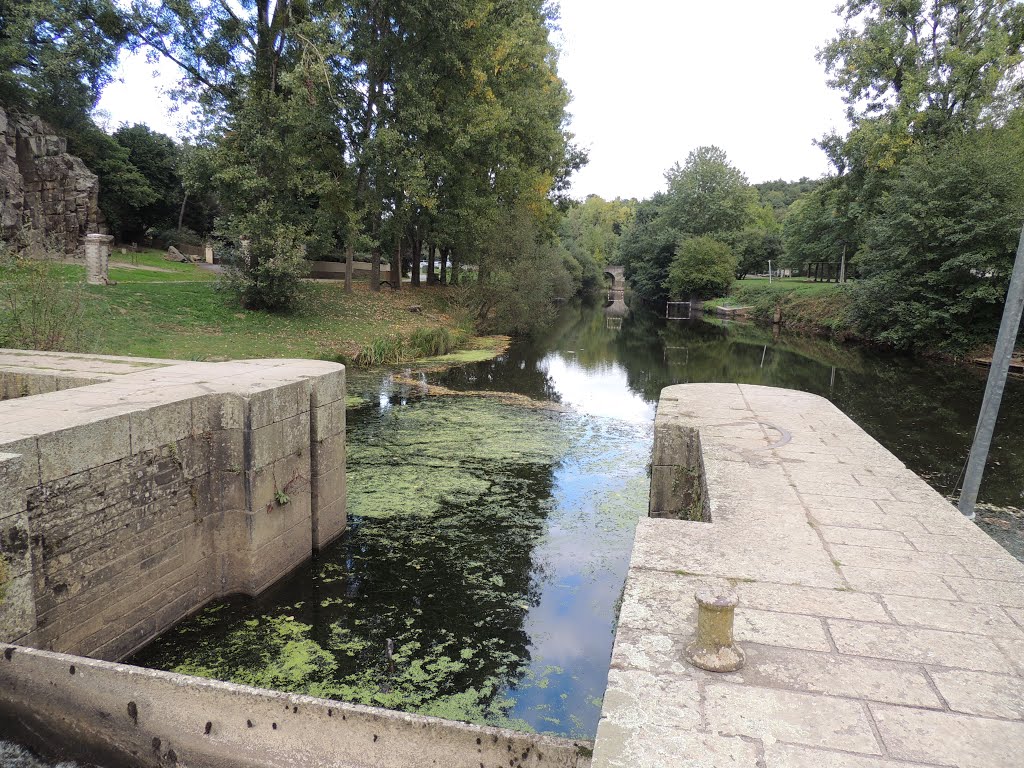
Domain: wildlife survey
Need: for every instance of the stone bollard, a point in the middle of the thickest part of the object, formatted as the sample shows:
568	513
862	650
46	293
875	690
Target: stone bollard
714	649
97	258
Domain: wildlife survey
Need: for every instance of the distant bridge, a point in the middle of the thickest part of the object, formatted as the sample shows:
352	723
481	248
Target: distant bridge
616	302
618	276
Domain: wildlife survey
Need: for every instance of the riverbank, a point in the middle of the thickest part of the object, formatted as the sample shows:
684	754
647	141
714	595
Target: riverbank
819	309
164	309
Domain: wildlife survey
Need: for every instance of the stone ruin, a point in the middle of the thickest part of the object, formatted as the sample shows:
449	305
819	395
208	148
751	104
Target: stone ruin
43	189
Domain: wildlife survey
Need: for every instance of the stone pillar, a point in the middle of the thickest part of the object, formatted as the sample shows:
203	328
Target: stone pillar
209	253
97	258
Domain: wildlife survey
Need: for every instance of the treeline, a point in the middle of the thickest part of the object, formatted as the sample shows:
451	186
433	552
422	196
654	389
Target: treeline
325	129
926	202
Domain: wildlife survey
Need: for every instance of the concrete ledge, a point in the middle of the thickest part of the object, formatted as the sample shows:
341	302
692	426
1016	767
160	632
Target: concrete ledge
880	627
157	486
124	715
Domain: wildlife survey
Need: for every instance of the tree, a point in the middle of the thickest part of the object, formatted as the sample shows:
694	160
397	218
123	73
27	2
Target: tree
57	55
154	199
702	267
940	253
404	121
590	233
818	228
706	196
934	66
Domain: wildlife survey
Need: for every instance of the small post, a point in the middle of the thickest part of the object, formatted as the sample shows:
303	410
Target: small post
714	649
997	374
97	258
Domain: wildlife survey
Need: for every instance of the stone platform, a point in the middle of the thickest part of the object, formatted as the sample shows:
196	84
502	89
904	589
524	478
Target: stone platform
881	628
134	491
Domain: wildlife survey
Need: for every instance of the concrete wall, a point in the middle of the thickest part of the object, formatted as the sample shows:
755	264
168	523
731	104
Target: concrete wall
678	482
129	503
335	270
116	715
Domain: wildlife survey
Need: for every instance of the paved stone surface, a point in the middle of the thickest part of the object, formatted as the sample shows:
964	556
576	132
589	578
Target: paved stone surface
881	629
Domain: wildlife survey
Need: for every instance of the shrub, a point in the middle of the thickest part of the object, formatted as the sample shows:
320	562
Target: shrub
431	342
266	271
41	304
383	350
702	267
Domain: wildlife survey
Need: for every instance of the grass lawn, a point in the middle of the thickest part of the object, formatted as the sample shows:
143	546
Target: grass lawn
152	267
159	317
781	284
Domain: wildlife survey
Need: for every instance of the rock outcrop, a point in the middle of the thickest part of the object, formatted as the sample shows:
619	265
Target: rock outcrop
43	189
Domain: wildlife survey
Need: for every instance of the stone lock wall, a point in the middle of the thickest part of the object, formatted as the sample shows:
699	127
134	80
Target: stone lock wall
131	502
42	187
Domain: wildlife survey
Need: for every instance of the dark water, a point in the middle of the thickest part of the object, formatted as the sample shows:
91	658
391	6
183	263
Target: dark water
488	542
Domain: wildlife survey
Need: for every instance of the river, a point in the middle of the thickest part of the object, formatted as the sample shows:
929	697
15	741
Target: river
488	542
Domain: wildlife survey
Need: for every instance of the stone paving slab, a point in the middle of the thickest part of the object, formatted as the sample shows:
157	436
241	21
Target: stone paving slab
881	628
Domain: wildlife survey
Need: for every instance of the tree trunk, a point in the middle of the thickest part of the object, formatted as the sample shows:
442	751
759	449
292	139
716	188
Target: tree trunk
396	267
444	265
455	270
417	250
181	213
431	277
375	270
350	255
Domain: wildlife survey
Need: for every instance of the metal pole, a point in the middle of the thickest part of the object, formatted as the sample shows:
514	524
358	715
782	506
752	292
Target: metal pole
769	271
1005	343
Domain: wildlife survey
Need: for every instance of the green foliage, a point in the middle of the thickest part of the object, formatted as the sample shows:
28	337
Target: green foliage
432	342
57	55
758	243
779	195
822	309
401	122
939	67
924	203
590	233
707	196
521	274
41	307
817	228
940	252
265	271
393	348
150	197
702	267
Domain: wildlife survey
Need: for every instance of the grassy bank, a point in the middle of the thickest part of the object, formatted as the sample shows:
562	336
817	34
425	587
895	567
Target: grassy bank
817	308
165	309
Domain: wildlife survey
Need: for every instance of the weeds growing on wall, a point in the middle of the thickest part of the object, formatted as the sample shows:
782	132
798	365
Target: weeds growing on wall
40	306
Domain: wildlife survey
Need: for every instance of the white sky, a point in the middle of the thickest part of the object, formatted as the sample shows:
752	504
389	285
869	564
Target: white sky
651	80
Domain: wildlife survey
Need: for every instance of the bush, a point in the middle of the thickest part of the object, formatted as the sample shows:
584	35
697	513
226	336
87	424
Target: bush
266	271
702	267
392	349
431	342
383	350
41	306
176	237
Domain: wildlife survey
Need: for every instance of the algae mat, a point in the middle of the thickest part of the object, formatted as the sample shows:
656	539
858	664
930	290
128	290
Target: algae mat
479	580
